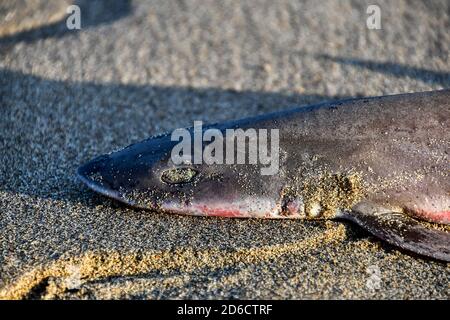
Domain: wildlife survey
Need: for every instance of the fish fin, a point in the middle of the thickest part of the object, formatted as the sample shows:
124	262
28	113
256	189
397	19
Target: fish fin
401	230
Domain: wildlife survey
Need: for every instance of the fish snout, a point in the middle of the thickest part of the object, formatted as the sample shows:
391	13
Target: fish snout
132	170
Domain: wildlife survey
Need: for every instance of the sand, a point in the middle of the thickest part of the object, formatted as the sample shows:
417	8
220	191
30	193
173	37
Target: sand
141	68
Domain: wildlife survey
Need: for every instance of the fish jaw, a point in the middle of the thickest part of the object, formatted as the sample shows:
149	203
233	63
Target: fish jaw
244	208
241	207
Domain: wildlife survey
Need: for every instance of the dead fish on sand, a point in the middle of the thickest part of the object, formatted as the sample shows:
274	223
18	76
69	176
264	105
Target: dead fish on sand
380	162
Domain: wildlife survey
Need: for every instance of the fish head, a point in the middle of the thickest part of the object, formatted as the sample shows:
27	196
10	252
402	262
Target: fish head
144	175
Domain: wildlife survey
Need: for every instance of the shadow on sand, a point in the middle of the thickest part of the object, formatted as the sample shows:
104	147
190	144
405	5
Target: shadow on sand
94	13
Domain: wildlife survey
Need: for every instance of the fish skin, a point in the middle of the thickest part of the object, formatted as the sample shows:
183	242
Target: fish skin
397	145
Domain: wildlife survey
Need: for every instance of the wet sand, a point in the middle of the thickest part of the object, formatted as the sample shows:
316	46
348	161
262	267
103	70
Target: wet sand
141	68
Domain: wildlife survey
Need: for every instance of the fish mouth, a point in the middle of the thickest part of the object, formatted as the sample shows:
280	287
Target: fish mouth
239	208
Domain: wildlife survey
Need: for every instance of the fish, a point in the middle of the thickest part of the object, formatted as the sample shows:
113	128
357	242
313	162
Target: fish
379	162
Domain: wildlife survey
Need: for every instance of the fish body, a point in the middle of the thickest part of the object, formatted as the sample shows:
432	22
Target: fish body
370	160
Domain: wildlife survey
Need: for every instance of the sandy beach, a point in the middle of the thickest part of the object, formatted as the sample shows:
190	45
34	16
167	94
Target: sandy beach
136	69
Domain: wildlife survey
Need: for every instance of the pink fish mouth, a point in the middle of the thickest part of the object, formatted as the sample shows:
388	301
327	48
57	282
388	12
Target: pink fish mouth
244	208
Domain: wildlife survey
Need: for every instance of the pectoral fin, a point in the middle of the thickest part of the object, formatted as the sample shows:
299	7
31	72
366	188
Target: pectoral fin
401	230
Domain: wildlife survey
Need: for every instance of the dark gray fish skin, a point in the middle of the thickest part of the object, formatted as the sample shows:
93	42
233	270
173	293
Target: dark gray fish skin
397	146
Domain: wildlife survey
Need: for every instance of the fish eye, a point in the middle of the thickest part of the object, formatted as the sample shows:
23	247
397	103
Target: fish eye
178	175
